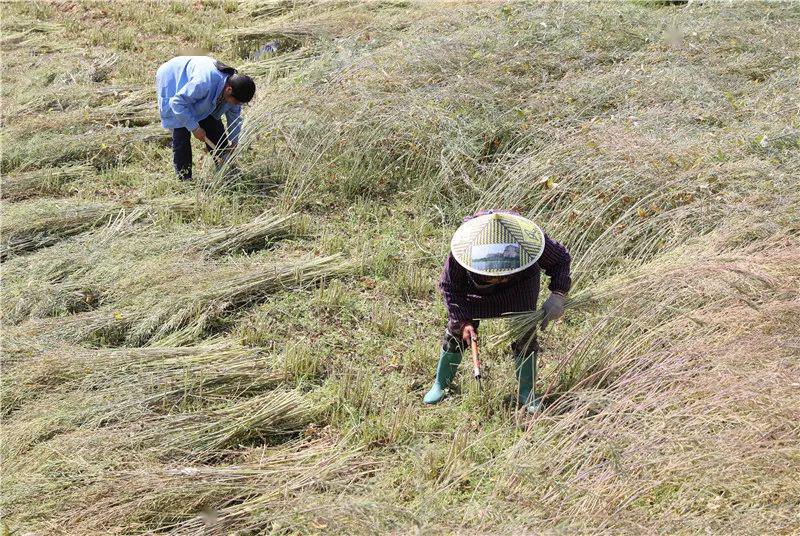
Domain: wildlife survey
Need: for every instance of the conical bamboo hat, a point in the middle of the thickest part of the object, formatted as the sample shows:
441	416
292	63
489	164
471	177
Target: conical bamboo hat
497	244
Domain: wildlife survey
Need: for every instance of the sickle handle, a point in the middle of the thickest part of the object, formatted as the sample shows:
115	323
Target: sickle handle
476	364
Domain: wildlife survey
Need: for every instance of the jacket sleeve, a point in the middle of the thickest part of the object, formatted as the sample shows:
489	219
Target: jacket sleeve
555	261
182	103
234	118
453	286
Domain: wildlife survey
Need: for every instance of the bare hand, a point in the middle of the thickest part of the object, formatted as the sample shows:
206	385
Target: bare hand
199	133
468	333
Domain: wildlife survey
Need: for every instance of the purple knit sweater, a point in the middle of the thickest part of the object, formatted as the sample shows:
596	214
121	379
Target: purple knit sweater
468	297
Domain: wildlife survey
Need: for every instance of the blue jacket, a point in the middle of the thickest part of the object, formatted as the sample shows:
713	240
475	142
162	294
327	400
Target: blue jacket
189	90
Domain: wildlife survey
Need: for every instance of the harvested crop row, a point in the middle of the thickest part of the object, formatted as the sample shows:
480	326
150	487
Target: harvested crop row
163	372
176	313
99	148
29	228
269	484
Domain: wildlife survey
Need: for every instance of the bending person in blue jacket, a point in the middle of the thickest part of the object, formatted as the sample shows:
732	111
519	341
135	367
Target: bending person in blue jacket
193	94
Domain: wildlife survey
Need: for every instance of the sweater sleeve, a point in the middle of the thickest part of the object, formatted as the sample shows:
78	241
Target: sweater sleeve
555	261
453	285
182	104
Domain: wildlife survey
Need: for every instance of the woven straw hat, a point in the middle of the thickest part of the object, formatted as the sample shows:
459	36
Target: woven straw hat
497	244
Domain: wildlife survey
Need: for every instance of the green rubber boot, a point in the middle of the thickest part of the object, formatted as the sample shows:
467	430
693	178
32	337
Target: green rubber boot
448	364
526	377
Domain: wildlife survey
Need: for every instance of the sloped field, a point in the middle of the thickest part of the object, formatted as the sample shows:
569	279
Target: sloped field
247	354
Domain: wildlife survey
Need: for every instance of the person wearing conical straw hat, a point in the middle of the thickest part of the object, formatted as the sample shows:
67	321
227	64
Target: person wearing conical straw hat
493	268
194	92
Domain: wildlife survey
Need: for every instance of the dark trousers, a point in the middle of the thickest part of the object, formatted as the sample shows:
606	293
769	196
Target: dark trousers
182	144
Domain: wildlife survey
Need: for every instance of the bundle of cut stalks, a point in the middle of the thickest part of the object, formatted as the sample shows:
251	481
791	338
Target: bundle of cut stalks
135	109
100	148
126	221
276	66
44	299
33	228
523	327
30	235
289	36
99	327
194	313
251	236
40	182
275	413
121	114
64	107
39	35
131	107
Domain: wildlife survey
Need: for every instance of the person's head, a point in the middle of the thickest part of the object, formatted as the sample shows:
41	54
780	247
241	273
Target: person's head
239	89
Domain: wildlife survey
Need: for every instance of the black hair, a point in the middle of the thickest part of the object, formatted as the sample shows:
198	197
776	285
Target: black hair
242	86
227	69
